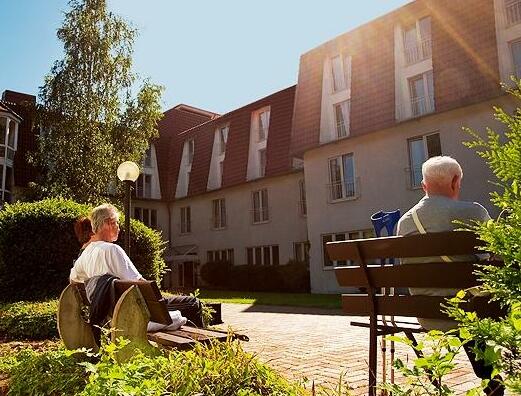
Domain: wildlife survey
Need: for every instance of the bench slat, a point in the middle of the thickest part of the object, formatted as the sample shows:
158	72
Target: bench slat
427	306
433	244
168	339
410	275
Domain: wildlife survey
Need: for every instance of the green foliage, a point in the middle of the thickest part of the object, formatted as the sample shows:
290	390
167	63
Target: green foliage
28	320
207	310
38	248
292	277
426	376
91	120
52	372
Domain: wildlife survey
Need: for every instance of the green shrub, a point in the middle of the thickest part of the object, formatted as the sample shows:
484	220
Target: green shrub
292	277
29	320
38	248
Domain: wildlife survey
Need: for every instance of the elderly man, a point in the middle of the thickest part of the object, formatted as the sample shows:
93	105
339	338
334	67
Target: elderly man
436	212
103	257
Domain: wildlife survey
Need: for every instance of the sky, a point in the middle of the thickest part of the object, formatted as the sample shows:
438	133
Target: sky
215	55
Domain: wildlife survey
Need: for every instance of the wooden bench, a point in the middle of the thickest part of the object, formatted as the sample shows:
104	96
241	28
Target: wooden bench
138	302
378	282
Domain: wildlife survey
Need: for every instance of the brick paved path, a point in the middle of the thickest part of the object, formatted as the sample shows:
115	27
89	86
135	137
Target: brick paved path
317	344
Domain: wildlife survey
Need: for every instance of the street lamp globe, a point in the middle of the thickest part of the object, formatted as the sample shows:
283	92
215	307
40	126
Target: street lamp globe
128	171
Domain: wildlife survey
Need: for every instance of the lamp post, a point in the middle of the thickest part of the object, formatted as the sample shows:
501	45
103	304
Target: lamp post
128	172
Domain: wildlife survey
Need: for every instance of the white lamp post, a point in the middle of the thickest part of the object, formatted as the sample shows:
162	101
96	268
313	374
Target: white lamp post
128	172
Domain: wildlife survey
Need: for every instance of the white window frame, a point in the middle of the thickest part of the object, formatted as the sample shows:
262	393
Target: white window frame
515	68
261	214
262	130
223	139
144	190
427	101
343	236
415	172
146	216
301	249
342	128
220	255
190	151
342	186
186	220
262	162
345	73
266	255
512	12
218	214
303	210
422	46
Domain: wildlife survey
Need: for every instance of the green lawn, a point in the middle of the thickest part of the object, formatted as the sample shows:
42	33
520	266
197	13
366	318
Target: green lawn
289	299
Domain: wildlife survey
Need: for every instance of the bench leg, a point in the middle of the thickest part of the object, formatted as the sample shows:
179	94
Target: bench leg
129	321
373	347
74	331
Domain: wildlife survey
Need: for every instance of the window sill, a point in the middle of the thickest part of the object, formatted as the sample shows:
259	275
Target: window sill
185	233
260	222
346	199
219	229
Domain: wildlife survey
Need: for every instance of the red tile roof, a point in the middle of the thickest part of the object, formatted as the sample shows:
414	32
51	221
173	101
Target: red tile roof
236	159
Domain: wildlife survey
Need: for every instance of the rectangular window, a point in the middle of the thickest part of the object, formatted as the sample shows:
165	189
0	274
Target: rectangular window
186	221
3	130
262	162
515	49
342	118
148	186
138	214
417	41
421	89
219	214
221	171
220	255
148	157
191	150
513	11
420	149
260	211
144	186
341	73
342	177
303	210
343	236
223	138
263	255
263	125
147	216
301	252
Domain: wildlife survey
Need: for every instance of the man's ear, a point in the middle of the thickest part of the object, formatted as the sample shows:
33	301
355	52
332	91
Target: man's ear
424	186
455	182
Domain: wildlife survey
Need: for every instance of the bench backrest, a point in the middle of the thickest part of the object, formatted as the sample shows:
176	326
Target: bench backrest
155	302
440	274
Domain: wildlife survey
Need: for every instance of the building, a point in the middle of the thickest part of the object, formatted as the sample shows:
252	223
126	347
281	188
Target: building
374	103
230	189
17	138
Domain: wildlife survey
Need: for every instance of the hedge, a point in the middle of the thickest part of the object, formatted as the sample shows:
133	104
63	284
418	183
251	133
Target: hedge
28	320
292	277
38	248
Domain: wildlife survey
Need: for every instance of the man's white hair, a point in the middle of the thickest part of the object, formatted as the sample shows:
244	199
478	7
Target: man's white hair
100	214
441	170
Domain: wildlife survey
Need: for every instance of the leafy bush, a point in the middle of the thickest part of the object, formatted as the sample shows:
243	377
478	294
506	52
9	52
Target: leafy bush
38	248
29	320
292	277
219	369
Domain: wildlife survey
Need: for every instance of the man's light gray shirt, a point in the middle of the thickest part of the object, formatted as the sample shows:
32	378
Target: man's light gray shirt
437	214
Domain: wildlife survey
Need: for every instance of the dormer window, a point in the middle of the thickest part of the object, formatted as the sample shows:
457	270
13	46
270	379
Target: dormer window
264	123
342	119
262	162
148	157
417	41
223	139
191	149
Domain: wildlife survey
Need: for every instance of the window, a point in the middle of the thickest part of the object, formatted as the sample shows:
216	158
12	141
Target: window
220	255
342	177
148	157
191	149
223	139
303	210
515	49
263	255
262	162
342	118
417	41
341	73
221	171
420	149
513	11
343	236
421	89
260	212
146	216
301	252
219	214
263	126
186	221
144	186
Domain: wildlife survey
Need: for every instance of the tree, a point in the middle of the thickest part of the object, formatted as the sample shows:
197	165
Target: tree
90	120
